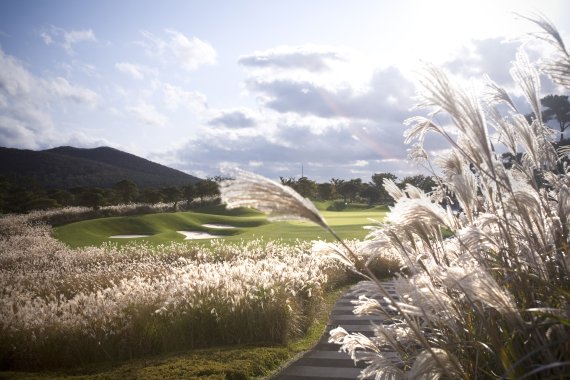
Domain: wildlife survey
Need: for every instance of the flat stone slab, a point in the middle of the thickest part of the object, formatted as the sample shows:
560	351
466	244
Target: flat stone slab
328	355
325	361
323	372
347	320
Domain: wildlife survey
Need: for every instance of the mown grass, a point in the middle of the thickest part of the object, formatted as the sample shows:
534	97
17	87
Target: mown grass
249	225
229	362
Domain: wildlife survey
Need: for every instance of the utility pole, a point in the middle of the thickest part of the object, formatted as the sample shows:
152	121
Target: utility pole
302	173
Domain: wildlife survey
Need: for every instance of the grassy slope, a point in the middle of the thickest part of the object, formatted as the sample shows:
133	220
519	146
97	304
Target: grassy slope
238	362
250	225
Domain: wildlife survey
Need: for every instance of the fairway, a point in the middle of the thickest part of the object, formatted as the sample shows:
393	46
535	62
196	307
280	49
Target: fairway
242	224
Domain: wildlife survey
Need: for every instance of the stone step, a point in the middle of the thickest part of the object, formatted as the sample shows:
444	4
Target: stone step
333	363
312	372
325	361
347	320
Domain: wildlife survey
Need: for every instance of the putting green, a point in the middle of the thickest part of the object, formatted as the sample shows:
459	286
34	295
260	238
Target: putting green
245	224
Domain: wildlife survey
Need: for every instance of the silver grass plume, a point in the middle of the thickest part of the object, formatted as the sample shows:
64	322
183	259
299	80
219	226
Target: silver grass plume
428	365
496	94
526	76
278	201
558	67
462	105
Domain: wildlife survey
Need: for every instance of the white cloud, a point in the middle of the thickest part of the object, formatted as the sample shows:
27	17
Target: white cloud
73	37
133	70
281	148
15	80
23	121
46	37
388	97
60	87
147	114
175	97
306	57
360	163
187	52
191	52
29	104
234	118
67	38
15	133
84	139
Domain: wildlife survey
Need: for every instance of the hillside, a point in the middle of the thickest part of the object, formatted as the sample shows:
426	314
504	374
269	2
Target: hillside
69	167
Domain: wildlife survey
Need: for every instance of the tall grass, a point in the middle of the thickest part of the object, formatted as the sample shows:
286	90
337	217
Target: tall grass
70	214
493	299
62	306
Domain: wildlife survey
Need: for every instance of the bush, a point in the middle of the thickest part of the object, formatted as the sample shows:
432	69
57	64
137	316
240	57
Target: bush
337	206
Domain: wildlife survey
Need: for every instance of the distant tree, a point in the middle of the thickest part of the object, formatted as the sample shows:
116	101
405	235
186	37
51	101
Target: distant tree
63	197
336	182
189	192
5	186
126	190
420	181
150	195
378	182
370	192
171	194
558	109
40	204
91	197
207	188
325	191
349	189
291	181
110	197
378	179
16	199
306	187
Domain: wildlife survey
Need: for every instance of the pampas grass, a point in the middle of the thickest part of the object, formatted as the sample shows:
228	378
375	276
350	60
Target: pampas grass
280	202
486	289
64	307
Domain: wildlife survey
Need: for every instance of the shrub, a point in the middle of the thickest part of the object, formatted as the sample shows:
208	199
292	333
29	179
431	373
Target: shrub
337	206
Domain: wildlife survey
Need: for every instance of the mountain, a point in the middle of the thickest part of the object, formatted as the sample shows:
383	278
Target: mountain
68	167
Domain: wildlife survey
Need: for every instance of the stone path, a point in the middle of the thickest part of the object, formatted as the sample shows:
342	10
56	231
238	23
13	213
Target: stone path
324	361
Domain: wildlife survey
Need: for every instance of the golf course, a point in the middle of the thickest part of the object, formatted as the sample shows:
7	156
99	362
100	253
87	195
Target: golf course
203	224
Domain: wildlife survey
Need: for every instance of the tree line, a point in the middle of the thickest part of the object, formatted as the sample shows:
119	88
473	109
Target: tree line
355	190
16	197
23	196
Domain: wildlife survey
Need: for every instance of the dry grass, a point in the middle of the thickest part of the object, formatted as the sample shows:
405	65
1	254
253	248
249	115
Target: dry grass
486	292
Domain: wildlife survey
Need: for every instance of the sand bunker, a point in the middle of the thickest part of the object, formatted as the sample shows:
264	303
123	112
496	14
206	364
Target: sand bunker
193	235
219	226
127	236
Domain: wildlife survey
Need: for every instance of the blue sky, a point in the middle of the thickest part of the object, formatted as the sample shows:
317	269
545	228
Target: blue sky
264	85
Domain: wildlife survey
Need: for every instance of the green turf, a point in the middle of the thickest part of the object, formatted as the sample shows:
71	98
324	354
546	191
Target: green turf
249	225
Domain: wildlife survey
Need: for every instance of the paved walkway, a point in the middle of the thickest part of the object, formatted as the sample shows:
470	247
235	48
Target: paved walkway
325	361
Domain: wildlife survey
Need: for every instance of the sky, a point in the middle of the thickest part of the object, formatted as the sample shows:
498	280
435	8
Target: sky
275	87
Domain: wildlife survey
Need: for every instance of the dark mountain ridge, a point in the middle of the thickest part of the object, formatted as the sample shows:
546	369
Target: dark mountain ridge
68	167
